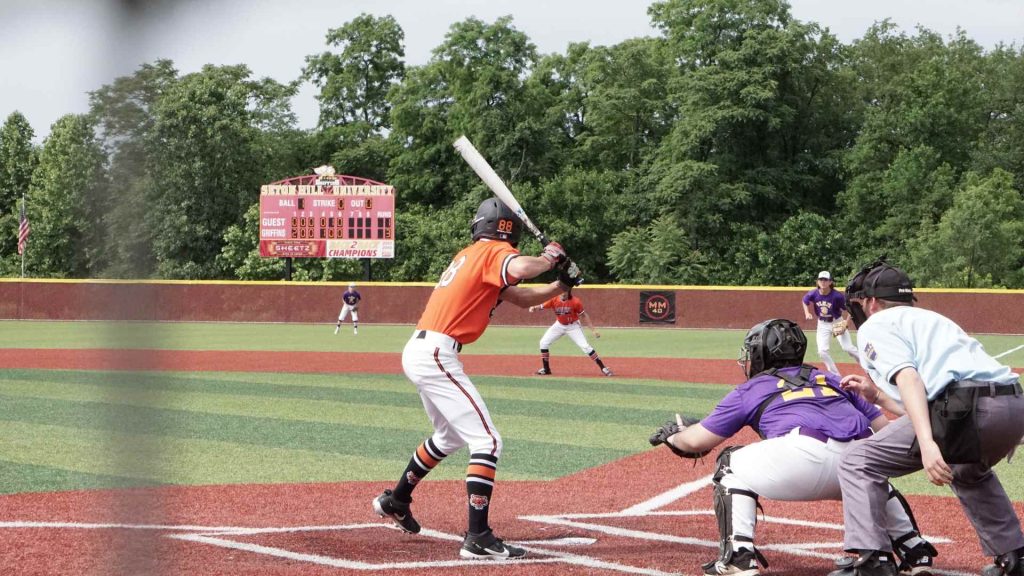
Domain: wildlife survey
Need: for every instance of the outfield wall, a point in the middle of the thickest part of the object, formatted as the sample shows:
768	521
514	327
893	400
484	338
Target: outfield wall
980	311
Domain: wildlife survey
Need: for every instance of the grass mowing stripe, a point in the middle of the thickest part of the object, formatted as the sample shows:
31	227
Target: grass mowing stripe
592	434
173	460
563	399
18	477
632	342
556	459
352	407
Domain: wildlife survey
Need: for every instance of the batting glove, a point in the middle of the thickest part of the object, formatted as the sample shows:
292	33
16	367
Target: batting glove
554	253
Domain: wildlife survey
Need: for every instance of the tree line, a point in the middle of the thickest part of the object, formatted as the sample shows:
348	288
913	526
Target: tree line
737	146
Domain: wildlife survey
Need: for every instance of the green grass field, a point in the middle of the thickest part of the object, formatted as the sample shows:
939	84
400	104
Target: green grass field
62	430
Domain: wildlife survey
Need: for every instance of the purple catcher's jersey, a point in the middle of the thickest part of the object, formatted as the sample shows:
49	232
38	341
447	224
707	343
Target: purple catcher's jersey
351	297
829	307
835	413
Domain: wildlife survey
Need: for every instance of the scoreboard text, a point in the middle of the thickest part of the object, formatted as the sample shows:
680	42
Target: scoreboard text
327	220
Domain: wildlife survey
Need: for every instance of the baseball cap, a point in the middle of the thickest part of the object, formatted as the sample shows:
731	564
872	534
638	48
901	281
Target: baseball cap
889	283
824	275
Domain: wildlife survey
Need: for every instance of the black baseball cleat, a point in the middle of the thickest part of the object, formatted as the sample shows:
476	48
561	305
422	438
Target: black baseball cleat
868	563
1009	564
487	546
387	505
918	561
543	372
742	563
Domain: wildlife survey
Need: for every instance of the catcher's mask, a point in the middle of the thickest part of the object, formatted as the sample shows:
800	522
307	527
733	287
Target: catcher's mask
496	221
776	343
877	280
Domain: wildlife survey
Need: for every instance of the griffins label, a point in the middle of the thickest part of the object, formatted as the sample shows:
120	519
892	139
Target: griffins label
658	307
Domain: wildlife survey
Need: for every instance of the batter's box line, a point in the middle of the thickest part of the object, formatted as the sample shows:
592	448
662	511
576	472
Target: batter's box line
217	539
806	549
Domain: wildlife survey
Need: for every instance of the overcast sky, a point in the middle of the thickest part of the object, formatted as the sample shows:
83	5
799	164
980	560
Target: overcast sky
53	52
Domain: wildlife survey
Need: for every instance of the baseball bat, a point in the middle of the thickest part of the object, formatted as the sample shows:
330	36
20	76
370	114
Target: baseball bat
476	161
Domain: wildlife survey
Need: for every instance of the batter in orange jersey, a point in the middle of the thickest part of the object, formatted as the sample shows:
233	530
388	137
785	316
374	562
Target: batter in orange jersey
568	311
459	309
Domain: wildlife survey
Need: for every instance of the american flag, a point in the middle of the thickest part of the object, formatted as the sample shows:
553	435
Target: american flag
23	229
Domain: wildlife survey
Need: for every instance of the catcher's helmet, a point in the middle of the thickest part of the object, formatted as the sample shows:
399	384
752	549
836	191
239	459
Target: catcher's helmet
496	221
776	343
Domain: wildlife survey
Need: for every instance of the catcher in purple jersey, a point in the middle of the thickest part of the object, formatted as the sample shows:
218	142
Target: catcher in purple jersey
806	421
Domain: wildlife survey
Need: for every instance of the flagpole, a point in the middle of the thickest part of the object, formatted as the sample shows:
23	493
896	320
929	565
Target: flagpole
19	233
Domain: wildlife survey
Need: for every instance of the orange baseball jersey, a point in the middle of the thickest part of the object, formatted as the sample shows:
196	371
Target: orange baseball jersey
464	298
567	311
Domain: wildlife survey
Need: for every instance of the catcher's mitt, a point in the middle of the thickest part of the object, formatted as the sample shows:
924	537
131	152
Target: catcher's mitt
671	427
839	327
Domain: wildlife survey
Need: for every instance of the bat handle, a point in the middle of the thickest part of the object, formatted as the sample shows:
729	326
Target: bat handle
543	240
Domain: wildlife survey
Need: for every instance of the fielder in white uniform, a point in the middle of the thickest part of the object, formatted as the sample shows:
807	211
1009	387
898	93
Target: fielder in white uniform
828	305
807	421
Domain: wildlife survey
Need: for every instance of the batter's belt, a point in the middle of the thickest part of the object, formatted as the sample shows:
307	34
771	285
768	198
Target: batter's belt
438	339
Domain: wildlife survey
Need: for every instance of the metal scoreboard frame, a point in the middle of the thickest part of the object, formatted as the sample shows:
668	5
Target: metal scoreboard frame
324	215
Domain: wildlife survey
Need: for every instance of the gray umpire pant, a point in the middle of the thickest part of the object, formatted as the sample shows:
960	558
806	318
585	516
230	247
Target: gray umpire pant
868	464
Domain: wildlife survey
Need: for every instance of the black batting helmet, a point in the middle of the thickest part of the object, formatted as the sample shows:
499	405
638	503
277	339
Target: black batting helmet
776	343
496	221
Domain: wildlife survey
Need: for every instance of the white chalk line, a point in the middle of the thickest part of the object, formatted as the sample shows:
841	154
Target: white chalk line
666	498
1008	352
219	536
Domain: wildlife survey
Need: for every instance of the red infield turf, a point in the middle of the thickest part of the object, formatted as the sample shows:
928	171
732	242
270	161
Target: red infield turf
646	514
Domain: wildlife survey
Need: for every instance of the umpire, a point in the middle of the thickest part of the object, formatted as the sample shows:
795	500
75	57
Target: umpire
962	417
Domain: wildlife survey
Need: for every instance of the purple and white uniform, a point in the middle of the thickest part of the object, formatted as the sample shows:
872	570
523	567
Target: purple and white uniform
350	303
806	432
821	411
829	308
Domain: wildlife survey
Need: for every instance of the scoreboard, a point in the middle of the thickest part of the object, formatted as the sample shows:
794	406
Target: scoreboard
316	217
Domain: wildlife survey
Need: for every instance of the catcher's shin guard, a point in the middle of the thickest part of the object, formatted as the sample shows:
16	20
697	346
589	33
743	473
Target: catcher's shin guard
736	512
913	553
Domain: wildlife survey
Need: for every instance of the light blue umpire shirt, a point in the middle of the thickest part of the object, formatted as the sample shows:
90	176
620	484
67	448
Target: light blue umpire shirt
940	351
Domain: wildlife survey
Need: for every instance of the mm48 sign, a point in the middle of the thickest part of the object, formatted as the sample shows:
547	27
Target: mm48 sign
327	216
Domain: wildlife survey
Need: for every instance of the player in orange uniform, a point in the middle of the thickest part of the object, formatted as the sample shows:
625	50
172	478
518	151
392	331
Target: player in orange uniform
480	277
568	311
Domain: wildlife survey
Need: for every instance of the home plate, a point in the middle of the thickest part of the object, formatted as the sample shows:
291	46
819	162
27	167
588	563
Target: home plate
559	542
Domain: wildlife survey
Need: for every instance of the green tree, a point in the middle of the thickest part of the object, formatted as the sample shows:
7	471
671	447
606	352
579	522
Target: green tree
628	106
354	82
804	244
209	128
659	253
763	112
979	242
474	84
925	109
124	114
17	162
1001	145
66	201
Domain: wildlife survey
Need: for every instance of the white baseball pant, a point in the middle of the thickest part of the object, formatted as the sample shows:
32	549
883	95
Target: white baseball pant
796	468
344	313
452	402
574	331
824	338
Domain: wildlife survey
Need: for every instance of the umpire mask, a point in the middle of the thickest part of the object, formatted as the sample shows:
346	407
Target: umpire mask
877	280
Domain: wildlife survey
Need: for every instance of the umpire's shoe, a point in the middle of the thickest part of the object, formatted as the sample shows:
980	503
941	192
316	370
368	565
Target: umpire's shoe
868	563
387	505
487	546
1009	564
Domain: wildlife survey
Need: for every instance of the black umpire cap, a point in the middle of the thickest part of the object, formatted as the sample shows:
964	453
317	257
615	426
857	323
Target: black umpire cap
888	283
